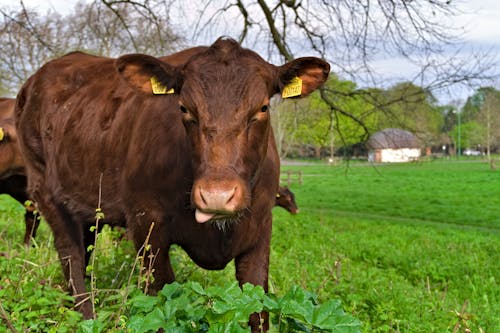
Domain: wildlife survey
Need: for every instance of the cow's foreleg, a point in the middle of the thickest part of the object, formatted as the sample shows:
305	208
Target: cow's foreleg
32	222
151	242
253	267
68	240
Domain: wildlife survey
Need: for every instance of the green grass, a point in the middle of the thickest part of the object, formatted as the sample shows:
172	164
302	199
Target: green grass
405	247
463	193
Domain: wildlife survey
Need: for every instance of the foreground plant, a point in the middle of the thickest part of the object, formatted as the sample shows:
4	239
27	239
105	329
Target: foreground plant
191	308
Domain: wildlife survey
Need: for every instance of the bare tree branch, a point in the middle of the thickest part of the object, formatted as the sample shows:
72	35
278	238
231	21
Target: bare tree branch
122	20
355	36
276	36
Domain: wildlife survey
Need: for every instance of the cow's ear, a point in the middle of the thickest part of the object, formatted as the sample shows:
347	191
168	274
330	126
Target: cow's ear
148	74
300	77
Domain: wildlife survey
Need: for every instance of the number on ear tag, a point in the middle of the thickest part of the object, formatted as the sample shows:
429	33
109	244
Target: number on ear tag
293	88
158	88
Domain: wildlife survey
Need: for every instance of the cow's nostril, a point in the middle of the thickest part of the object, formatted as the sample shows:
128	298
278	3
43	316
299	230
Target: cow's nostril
231	195
203	193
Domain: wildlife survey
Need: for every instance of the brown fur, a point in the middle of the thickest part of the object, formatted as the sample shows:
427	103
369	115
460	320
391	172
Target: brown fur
12	177
286	199
90	125
11	160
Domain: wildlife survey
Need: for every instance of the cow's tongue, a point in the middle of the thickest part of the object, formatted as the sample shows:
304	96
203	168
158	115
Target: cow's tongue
202	217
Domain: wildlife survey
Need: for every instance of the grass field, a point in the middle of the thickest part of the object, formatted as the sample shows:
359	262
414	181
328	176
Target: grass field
406	248
417	244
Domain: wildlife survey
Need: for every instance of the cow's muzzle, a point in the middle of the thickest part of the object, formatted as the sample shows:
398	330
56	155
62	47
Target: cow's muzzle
218	200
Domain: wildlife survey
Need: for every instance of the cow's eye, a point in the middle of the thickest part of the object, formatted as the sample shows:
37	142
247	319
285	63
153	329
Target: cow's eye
261	114
187	116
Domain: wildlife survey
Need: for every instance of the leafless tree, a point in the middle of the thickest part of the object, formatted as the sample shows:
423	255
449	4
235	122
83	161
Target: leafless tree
24	45
355	36
107	28
352	34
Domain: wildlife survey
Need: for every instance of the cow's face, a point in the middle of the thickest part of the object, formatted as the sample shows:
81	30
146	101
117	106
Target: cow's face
224	95
286	199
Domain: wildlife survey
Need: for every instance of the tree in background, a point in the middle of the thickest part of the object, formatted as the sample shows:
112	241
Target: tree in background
449	115
29	39
489	117
471	135
3	91
410	107
23	48
312	122
483	110
351	34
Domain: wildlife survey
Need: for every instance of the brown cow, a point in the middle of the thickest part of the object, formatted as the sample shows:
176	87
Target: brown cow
196	161
12	178
286	199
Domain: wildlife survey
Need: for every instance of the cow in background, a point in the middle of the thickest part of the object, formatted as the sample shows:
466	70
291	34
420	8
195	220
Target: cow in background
184	154
12	177
286	199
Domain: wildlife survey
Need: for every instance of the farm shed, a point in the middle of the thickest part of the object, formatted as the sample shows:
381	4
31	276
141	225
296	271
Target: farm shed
393	145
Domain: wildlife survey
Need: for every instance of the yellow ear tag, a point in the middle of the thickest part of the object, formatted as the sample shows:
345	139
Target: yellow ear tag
293	88
158	88
2	134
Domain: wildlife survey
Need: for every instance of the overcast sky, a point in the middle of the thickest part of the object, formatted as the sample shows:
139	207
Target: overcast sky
482	22
481	25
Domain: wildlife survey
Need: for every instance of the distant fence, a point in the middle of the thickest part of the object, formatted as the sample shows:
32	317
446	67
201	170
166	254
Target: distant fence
288	177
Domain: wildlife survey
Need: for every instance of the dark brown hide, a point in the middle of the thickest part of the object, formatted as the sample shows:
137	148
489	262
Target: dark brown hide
201	163
12	178
286	199
11	160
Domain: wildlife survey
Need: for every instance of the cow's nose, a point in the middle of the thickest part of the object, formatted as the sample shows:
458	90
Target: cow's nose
219	196
215	198
219	199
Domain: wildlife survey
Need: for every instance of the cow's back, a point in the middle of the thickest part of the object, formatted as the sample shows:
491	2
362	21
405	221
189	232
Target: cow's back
88	135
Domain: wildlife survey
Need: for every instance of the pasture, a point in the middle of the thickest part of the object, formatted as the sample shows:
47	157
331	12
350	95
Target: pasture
406	248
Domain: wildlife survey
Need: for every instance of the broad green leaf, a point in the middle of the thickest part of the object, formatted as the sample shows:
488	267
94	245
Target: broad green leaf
221	307
324	312
144	303
90	326
271	302
153	321
171	290
197	288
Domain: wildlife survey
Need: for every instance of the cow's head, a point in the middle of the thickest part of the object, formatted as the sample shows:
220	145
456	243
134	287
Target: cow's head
223	95
286	199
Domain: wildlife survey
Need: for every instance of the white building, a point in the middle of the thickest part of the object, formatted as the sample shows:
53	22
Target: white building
393	145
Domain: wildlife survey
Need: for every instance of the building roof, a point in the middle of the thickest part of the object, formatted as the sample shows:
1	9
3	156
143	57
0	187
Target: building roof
392	138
